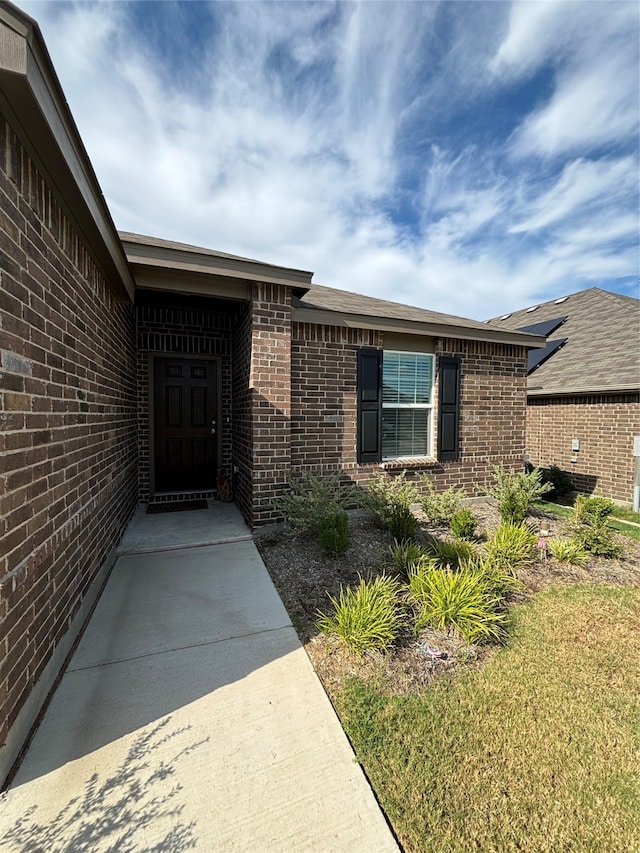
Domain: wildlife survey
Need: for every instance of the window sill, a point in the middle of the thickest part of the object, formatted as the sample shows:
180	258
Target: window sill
409	462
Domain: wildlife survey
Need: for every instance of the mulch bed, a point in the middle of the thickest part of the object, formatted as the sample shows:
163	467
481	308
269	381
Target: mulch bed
305	577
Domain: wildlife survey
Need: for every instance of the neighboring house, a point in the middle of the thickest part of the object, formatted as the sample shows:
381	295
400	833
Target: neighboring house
583	388
135	369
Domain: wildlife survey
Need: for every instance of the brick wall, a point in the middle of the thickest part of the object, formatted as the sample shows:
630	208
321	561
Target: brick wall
604	425
241	412
324	407
270	384
68	433
171	325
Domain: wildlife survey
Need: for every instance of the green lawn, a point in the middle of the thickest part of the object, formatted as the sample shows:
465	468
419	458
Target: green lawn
538	750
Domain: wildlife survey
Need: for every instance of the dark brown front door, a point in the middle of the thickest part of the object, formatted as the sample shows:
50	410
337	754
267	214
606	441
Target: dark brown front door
185	415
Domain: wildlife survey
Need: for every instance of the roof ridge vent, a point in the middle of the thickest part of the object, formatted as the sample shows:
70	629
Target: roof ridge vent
561	300
533	308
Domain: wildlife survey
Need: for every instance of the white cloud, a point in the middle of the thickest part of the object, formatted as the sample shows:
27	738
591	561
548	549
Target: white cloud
582	186
300	130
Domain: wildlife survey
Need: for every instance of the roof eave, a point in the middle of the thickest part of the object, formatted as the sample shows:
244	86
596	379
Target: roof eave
32	99
142	255
563	391
326	317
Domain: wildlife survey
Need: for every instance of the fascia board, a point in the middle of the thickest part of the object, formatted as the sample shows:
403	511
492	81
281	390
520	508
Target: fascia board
210	262
180	261
413	327
32	99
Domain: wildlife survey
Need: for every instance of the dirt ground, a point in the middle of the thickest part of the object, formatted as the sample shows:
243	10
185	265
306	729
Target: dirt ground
305	577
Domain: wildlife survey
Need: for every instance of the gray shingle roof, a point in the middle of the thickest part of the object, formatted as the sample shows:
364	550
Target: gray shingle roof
323	298
602	352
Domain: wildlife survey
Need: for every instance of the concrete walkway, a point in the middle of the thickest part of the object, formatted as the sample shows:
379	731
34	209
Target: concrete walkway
190	717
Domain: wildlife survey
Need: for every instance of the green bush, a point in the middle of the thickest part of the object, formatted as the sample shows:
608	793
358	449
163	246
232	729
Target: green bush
367	617
450	552
589	525
516	491
403	523
463	524
405	554
439	507
389	500
512	545
568	551
559	480
333	533
311	498
462	601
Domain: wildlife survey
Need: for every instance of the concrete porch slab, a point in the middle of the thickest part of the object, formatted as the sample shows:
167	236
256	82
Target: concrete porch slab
220	522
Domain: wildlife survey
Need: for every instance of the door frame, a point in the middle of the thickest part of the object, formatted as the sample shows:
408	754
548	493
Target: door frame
217	362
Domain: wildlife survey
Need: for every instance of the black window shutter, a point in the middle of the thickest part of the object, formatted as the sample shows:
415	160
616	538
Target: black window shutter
449	416
369	405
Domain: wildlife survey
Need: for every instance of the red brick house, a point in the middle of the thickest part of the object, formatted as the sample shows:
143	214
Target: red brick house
134	369
583	388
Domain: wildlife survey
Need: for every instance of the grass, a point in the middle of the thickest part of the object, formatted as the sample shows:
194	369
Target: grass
538	750
617	521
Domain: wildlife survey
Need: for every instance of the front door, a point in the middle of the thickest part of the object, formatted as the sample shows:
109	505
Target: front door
185	416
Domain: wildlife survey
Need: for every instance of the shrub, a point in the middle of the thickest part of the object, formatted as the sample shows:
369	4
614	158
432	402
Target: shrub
402	523
590	527
312	498
389	501
405	554
333	533
463	524
439	507
559	481
568	551
450	552
512	545
365	618
460	600
515	491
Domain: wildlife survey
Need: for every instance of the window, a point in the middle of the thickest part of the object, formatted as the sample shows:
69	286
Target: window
407	404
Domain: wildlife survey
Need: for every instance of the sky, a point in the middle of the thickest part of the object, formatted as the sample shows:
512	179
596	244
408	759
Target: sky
466	157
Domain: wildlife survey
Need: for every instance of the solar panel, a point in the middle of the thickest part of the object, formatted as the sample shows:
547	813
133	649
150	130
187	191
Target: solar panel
538	356
545	327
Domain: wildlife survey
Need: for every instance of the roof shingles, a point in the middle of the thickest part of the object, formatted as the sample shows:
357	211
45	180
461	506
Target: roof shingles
602	352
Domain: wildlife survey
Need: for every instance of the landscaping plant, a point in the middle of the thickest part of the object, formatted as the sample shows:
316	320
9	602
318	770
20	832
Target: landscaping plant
560	482
389	500
450	552
568	551
512	545
439	507
460	600
312	498
463	524
367	617
590	526
405	554
333	533
516	491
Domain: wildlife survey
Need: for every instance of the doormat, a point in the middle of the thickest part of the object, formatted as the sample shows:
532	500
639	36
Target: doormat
177	506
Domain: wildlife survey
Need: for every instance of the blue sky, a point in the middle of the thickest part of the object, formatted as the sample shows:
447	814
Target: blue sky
468	157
